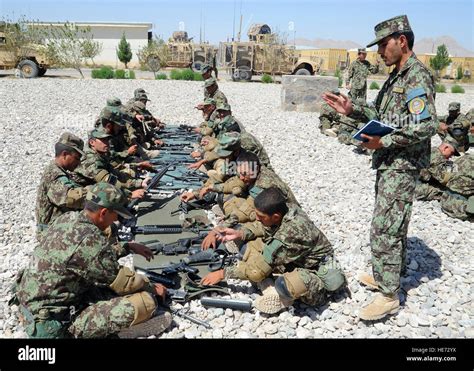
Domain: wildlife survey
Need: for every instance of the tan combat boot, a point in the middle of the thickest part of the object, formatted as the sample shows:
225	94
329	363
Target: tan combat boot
368	280
154	326
270	302
380	307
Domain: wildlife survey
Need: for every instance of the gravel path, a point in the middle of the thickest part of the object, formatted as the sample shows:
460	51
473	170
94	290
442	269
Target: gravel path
333	184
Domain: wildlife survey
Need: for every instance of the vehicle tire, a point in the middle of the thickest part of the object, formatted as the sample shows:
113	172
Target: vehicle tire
28	69
235	74
303	72
196	66
244	73
42	71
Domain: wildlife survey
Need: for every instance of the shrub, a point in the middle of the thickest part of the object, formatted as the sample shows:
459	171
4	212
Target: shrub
457	89
119	74
175	75
198	76
187	75
338	74
103	73
374	86
266	79
440	88
161	76
459	73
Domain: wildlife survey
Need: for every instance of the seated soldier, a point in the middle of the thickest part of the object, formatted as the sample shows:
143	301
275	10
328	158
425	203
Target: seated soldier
211	90
57	192
95	167
456	125
75	286
209	114
288	243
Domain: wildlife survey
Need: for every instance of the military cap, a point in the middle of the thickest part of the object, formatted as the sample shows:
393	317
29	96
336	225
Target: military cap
139	91
222	106
138	106
114	102
389	27
470	205
209	82
454	106
143	97
72	141
110	197
361	50
205	68
112	114
227	143
98	133
453	143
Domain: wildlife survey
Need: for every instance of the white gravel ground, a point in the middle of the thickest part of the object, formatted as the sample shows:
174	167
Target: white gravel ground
333	184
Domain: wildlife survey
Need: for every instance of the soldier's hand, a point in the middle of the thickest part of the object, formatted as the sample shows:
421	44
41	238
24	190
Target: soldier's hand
159	142
161	291
228	234
140	249
145	165
203	191
195	154
140	117
196	165
341	103
213	278
187	196
205	141
197	130
210	241
373	142
132	150
146	181
443	126
138	193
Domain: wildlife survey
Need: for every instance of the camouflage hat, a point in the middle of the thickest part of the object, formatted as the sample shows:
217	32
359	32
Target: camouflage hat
110	197
205	68
222	106
72	141
453	143
209	82
454	106
389	27
361	50
227	143
138	106
98	133
139	91
112	114
114	102
470	205
142	97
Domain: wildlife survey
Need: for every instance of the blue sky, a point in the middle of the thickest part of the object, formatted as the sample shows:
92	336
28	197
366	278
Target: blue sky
338	19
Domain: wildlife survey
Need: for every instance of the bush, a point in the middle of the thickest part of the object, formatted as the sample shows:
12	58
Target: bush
103	73
198	76
374	86
131	75
119	74
187	75
459	73
161	76
266	79
440	88
338	74
457	89
176	75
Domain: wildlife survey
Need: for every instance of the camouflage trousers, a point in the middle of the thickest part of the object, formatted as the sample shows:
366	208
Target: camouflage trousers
455	205
427	192
394	191
328	117
316	293
359	95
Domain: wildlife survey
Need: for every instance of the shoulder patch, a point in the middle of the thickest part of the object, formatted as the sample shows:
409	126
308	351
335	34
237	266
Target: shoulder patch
417	103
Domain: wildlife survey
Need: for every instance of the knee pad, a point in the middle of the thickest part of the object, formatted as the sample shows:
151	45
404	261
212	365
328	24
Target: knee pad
255	269
143	304
128	282
280	287
294	284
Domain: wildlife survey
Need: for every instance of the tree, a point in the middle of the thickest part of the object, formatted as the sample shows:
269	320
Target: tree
154	55
65	45
124	51
441	60
91	49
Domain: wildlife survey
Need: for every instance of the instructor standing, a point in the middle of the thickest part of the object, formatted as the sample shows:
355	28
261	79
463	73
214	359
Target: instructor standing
406	102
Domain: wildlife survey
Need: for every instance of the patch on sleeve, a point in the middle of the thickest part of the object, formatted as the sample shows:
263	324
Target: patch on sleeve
417	103
270	249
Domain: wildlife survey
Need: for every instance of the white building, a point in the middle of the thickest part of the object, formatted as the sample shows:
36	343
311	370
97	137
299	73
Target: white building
109	34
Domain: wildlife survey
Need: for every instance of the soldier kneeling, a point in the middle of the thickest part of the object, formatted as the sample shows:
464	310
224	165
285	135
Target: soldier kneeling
282	243
74	286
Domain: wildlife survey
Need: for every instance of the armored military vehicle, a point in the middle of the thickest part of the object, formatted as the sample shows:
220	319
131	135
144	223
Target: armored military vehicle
263	53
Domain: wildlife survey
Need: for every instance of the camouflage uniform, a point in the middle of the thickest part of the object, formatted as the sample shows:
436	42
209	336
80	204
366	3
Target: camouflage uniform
218	95
357	77
74	285
296	248
251	144
406	101
459	126
433	179
57	192
328	117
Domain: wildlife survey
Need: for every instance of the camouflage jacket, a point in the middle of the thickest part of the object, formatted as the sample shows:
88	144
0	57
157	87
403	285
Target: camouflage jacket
218	95
461	122
462	178
252	144
295	243
95	168
358	72
74	257
57	194
407	102
439	168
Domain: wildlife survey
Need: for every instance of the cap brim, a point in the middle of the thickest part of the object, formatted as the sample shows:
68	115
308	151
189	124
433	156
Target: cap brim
123	212
376	41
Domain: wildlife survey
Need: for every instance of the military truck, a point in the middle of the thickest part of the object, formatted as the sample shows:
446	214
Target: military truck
263	53
30	59
180	51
